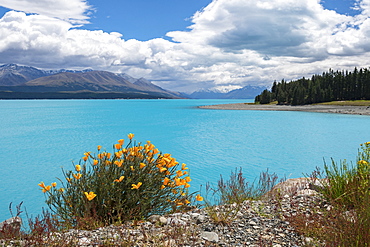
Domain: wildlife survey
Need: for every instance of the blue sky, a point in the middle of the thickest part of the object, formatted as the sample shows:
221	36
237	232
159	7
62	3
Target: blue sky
187	45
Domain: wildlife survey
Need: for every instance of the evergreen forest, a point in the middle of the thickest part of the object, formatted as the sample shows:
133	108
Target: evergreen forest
330	86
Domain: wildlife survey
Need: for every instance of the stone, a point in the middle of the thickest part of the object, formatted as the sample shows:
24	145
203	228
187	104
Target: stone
11	226
307	192
154	218
210	236
162	220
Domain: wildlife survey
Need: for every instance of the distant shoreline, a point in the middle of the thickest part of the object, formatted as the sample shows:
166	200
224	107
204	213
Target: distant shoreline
354	110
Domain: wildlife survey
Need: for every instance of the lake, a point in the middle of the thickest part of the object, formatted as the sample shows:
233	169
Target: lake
38	137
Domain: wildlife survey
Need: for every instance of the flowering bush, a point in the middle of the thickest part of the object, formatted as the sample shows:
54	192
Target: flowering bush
133	182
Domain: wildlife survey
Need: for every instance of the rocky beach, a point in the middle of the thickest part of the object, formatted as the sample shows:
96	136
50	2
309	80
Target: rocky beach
345	109
264	222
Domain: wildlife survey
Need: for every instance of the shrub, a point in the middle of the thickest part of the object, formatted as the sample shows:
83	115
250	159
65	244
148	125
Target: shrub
347	223
226	199
131	183
348	185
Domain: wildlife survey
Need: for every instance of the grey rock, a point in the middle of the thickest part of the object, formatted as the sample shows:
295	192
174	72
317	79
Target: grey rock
11	226
210	236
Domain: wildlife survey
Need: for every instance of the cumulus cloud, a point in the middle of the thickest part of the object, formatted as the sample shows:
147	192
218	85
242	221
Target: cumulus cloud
230	44
74	11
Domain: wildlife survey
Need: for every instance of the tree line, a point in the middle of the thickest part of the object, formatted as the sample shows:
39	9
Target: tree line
330	86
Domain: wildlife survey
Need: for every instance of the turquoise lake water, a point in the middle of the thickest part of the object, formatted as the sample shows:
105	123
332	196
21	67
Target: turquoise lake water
38	137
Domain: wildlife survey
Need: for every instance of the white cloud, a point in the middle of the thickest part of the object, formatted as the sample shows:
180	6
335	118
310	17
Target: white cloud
74	11
230	44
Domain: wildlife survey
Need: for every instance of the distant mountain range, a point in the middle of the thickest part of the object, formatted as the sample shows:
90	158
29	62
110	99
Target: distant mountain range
24	82
247	92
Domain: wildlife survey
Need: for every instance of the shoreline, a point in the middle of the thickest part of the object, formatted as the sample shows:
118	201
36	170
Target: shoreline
354	110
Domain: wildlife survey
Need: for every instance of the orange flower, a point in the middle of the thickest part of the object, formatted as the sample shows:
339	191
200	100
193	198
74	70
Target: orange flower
166	180
85	158
188	179
120	179
118	163
42	185
183	167
132	168
78	168
162	187
54	184
91	195
179	181
162	169
136	186
95	162
47	188
199	198
108	155
77	176
121	141
118	146
179	173
130	136
187	185
99	147
142	165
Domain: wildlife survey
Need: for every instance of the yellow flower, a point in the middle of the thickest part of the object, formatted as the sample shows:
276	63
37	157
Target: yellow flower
199	198
120	179
77	176
54	184
99	147
132	168
187	185
162	187
179	173
179	203
61	189
42	185
136	186
91	195
95	162
47	188
363	162
142	165
130	136
183	167
187	179
78	168
121	141
68	179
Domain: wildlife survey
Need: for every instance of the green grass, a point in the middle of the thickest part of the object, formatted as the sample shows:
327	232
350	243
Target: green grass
347	103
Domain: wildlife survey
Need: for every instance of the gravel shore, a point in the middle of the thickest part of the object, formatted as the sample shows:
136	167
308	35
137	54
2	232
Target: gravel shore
255	223
356	110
